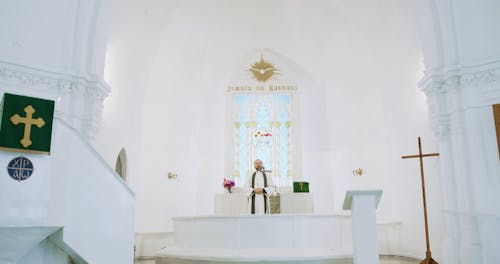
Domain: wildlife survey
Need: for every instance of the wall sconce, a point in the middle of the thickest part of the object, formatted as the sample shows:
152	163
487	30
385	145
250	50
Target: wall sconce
172	175
357	172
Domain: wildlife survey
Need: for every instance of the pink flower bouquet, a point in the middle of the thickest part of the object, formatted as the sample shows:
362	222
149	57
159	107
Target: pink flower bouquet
228	184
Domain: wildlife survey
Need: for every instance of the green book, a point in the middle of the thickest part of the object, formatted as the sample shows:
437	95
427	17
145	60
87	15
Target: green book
300	187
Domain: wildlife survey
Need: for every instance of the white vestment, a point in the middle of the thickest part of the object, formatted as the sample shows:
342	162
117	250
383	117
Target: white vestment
260	199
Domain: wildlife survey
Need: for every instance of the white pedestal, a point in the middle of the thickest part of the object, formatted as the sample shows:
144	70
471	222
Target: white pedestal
364	226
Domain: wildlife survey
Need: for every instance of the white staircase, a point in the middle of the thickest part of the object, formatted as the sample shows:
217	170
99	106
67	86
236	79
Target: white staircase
74	206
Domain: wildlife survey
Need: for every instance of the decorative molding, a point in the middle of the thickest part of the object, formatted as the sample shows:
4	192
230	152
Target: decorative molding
481	77
38	78
434	85
441	126
460	77
79	98
29	78
452	83
448	92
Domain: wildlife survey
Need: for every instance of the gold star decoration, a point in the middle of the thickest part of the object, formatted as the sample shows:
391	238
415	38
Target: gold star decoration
263	70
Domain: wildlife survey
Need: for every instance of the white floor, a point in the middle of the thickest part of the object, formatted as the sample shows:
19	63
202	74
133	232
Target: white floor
383	260
144	262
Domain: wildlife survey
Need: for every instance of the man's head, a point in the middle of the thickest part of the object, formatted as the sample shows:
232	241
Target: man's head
258	164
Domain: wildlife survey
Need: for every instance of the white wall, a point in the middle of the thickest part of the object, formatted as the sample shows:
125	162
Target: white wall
360	106
99	207
128	35
22	39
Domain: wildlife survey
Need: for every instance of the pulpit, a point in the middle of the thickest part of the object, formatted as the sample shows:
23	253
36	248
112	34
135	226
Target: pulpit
364	226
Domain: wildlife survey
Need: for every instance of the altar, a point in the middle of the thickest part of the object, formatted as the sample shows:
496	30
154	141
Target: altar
240	237
236	202
308	238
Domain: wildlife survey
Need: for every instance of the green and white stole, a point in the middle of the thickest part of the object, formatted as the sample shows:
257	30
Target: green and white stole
253	193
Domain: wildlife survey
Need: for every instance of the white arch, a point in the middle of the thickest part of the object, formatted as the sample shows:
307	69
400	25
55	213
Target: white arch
121	164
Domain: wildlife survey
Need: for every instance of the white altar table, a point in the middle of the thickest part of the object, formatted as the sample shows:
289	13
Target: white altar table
236	203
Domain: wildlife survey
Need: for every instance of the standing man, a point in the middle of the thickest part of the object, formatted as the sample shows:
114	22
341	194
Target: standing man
260	187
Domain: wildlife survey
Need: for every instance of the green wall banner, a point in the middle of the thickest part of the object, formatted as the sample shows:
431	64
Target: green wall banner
26	124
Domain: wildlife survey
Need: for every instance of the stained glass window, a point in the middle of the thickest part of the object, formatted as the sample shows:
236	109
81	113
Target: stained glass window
263	130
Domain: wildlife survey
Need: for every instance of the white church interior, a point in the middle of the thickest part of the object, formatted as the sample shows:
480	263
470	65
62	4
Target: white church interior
377	123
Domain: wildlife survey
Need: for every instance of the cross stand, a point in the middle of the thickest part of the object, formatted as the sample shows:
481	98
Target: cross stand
428	258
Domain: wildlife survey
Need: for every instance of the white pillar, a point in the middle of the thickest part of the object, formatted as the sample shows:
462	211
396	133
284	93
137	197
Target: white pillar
462	81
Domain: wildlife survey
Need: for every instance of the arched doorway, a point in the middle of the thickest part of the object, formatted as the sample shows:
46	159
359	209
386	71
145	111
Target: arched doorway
121	164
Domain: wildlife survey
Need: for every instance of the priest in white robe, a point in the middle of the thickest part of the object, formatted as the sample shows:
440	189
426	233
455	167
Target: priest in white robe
260	186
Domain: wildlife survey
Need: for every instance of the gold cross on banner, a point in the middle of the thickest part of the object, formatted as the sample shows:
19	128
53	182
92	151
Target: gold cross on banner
428	258
28	121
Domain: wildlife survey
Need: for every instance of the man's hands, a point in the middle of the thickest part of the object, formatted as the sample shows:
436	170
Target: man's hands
258	190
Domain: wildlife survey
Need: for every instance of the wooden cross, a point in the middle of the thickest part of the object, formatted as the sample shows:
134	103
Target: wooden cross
28	121
428	258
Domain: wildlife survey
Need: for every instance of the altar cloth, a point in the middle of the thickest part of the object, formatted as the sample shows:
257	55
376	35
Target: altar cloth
290	203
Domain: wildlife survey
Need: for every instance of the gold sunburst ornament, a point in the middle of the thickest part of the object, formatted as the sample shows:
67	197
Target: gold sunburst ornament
263	70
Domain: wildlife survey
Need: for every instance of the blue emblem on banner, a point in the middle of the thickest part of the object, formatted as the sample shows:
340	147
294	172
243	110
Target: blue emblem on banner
20	168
